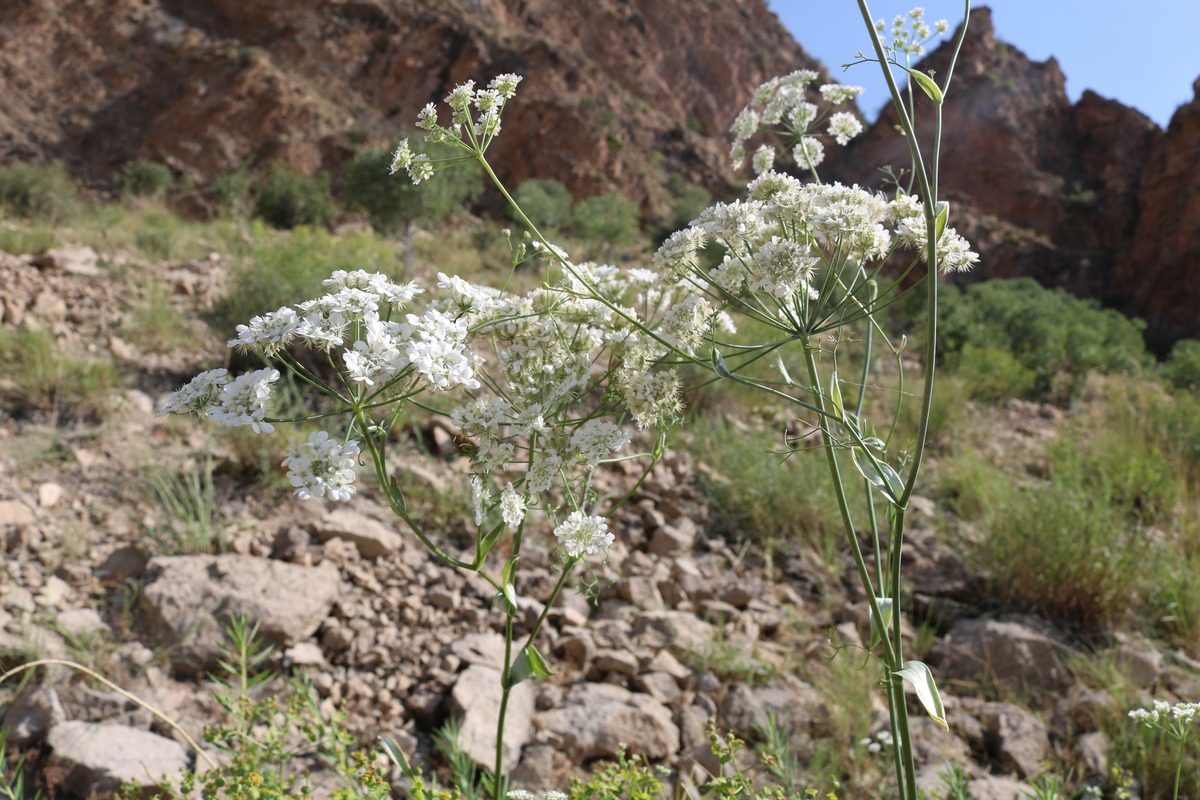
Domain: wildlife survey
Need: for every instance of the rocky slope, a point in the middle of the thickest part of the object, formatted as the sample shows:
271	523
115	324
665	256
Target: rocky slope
616	94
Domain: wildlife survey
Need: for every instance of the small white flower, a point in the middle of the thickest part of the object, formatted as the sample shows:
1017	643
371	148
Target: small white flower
581	535
244	401
200	393
512	506
844	126
505	84
402	156
322	466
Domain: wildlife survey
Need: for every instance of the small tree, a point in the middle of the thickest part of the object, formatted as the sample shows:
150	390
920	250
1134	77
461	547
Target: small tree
394	205
609	218
547	203
288	199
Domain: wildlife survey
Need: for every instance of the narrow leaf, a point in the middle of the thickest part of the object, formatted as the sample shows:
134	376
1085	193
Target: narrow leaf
835	394
941	217
916	673
885	608
718	363
927	84
879	474
529	663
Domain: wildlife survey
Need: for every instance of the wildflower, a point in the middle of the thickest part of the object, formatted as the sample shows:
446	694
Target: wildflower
583	535
479	496
836	93
782	268
652	397
200	393
595	439
844	126
512	506
505	84
322	466
437	347
808	153
686	323
267	333
764	159
402	157
243	401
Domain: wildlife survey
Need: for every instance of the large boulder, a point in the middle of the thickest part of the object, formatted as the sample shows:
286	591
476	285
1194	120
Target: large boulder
1008	653
475	699
103	757
188	599
596	719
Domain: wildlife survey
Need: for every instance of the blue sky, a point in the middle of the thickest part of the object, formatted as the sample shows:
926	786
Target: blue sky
1144	54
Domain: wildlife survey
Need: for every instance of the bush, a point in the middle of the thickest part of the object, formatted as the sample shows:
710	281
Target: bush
1182	367
609	218
289	199
41	377
1058	337
37	191
547	203
393	202
687	201
283	269
991	374
146	178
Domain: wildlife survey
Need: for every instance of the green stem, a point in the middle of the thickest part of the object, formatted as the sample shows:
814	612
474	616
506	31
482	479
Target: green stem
505	691
1178	770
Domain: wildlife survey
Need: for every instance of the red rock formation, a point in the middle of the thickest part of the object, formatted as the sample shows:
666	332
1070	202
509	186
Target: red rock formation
617	93
1040	187
1159	272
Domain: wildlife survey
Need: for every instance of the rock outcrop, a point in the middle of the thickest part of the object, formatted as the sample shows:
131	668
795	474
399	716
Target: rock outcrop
616	94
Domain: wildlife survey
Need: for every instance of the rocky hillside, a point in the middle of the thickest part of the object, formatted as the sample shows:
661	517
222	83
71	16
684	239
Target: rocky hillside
616	94
1090	196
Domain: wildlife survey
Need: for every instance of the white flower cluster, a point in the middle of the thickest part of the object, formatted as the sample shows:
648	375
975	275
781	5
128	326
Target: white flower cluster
522	794
474	122
242	401
322	466
783	102
1162	715
580	535
910	32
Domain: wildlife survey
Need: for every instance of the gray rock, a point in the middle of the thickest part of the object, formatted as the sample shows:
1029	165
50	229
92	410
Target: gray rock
1018	740
1143	665
597	718
1008	652
106	756
659	685
122	564
1092	750
35	711
49	494
794	704
476	700
81	622
677	628
16	513
675	539
372	538
72	259
187	599
999	787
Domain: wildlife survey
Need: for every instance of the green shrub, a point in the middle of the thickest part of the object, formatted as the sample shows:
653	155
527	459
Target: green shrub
547	203
285	270
39	376
1059	337
232	191
609	219
1182	367
289	199
687	201
991	374
763	497
146	178
37	191
393	202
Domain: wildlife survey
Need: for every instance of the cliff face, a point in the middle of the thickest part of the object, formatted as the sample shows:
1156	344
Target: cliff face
1159	271
1040	186
616	92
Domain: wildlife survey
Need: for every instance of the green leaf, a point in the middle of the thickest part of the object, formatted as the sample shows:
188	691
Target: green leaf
941	217
926	83
835	394
718	364
529	663
879	474
885	608
916	673
391	748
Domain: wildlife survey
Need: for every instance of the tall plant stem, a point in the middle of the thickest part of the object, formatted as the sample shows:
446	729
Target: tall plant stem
906	771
